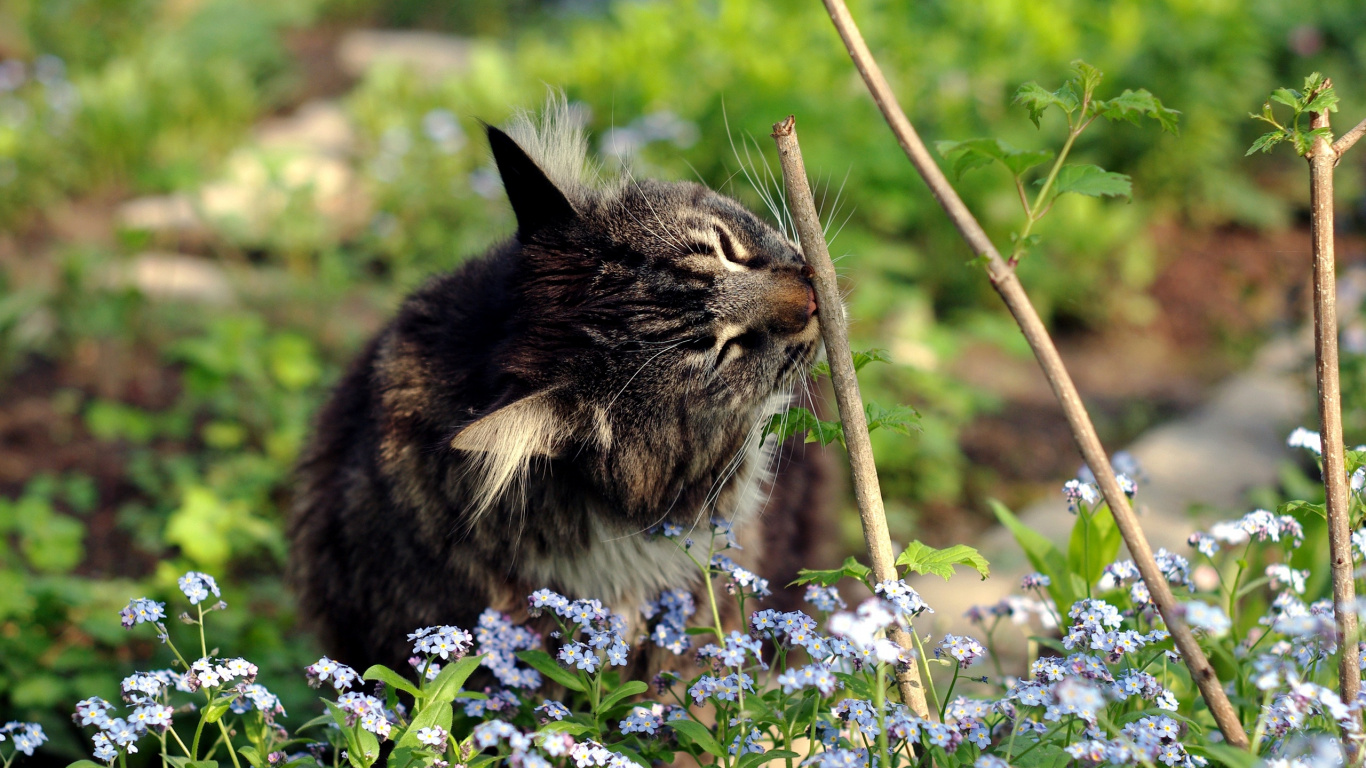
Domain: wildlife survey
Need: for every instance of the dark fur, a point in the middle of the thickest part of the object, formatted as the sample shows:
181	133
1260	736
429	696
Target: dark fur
600	320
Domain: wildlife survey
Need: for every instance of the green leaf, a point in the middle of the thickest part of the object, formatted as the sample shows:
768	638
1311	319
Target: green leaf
1043	756
86	764
216	709
1037	100
1289	97
444	688
800	421
857	684
1133	105
1092	181
966	155
919	558
1293	507
1227	755
252	756
1041	553
698	734
391	678
1093	545
902	419
629	688
1324	101
1266	141
1304	140
541	662
851	568
1088	77
752	759
566	726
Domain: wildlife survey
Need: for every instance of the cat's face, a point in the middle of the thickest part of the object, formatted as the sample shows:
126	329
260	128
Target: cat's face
661	325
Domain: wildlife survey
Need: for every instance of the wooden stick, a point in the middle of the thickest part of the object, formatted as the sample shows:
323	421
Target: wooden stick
1322	159
1004	280
835	330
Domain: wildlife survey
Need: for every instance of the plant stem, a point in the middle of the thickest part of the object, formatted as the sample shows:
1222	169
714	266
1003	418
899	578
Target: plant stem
835	330
227	744
1007	284
1322	159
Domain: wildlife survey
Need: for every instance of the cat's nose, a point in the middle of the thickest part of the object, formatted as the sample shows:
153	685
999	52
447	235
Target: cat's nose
808	276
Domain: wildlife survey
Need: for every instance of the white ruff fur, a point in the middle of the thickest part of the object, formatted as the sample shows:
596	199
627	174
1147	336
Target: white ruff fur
626	569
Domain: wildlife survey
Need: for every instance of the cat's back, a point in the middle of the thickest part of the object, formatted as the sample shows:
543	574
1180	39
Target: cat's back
375	459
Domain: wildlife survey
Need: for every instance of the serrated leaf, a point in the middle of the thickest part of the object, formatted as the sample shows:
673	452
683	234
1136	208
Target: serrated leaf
1291	507
1325	101
627	689
1304	140
1088	76
902	419
919	558
963	156
699	734
864	357
543	663
851	568
800	421
390	678
1132	105
1289	97
1092	181
1036	99
1266	141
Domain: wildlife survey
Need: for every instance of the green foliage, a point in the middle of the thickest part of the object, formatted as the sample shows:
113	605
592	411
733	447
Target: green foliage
1318	96
919	558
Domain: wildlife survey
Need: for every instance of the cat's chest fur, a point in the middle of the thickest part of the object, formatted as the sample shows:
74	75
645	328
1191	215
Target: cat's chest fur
627	568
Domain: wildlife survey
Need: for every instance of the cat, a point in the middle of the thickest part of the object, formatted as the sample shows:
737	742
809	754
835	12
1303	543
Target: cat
525	420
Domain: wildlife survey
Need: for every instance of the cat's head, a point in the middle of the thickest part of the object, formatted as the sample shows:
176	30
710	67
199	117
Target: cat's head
658	326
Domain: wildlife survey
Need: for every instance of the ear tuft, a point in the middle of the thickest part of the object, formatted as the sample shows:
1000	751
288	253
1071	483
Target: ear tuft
504	442
535	199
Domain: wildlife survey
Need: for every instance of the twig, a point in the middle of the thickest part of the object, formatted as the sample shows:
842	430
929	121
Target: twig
1007	284
835	330
1346	140
1322	158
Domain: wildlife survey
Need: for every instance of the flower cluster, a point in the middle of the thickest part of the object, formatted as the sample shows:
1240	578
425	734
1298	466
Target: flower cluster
142	610
450	643
602	632
739	580
198	586
673	607
25	736
499	641
905	599
339	676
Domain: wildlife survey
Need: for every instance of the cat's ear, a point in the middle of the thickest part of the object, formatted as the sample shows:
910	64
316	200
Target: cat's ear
535	199
504	442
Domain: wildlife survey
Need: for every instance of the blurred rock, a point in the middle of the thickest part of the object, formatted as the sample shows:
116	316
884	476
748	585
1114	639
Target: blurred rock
315	127
261	188
160	213
430	54
177	277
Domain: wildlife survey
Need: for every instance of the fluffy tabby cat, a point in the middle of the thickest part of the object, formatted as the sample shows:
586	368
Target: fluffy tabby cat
525	419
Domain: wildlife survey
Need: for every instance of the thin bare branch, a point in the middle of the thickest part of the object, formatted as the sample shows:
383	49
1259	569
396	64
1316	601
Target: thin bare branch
1006	283
1321	161
1346	140
835	330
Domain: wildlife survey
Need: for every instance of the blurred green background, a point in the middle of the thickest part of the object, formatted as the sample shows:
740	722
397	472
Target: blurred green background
206	206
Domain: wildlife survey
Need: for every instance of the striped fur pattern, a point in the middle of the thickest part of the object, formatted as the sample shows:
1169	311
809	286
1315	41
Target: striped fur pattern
524	420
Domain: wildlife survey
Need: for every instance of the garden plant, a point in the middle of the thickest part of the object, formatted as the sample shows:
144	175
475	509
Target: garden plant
1243	649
